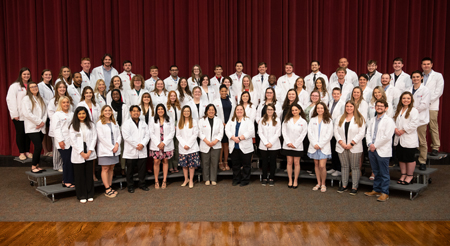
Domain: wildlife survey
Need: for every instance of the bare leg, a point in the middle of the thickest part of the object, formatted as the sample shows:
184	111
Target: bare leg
191	174
185	172
111	174
156	163
105	176
323	170
317	170
290	161
410	167
403	171
296	170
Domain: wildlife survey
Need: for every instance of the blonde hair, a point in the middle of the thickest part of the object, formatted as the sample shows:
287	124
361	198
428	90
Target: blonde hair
61	98
383	94
96	87
182	121
103	117
250	82
359	119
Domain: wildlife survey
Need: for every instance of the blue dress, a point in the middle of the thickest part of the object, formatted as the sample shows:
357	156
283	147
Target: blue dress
318	155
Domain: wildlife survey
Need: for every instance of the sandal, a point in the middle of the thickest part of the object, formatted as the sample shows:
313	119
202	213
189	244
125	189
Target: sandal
408	183
226	166
29	155
171	170
400	181
35	170
157	185
323	188
22	157
175	170
221	167
110	193
163	186
316	187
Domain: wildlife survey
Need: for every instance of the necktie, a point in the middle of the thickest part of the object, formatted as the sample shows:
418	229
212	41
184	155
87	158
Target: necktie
262	79
129	75
314	79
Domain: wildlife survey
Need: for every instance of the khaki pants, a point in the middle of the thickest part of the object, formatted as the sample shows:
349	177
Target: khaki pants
434	130
423	148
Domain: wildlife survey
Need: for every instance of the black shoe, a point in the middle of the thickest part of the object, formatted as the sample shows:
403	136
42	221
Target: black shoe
289	186
342	189
244	184
434	152
264	182
408	183
353	192
235	183
271	183
144	188
294	187
131	189
422	167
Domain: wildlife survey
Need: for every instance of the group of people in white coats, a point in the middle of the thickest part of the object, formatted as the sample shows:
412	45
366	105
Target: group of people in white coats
201	121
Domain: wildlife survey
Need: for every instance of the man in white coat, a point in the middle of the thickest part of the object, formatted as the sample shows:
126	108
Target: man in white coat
260	79
88	79
171	82
287	81
392	93
216	80
336	107
400	79
373	74
350	76
237	78
105	71
75	90
342	83
150	83
310	79
136	135
126	76
379	141
434	81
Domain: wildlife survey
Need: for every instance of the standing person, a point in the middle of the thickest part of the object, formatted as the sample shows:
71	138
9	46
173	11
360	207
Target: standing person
121	113
34	112
105	71
75	89
116	83
321	87
159	94
208	93
336	107
303	94
350	75
174	111
148	112
217	79
108	147
360	103
406	139
136	135
379	137
150	83
187	132
341	82
61	120
250	108
136	90
171	82
310	79
367	91
421	102
399	79
374	77
269	130
65	75
210	133
247	85
240	131
83	137
236	79
349	132
16	92
197	104
434	81
314	99
126	76
378	94
294	130
287	81
291	99
161	144
225	106
228	82
88	80
392	93
88	101
100	93
195	79
45	86
261	78
183	92
320	132
269	98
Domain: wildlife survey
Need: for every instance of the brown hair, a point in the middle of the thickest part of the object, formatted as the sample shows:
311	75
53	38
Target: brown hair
324	86
150	105
234	113
289	115
357	103
103	117
400	106
286	104
249	98
274	116
60	76
326	114
359	119
38	97
93	95
182	121
383	94
295	84
137	76
274	100
57	96
164	87
111	84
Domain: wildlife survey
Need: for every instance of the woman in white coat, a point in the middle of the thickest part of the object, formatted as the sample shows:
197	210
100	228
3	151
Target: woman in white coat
314	99
406	139
100	92
247	85
269	98
321	87
183	92
269	131
83	137
225	107
108	147
88	101
35	115
159	94
303	95
294	131
208	92
197	104
250	107
174	111
349	132
137	89
361	105
47	92
61	120
228	82
14	97
196	74
65	75
116	83
211	129
161	143
187	132
320	132
377	94
240	131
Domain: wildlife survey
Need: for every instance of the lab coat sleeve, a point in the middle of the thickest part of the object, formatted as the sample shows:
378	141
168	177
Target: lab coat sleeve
128	136
26	110
286	137
219	135
413	122
73	140
389	127
169	137
11	101
193	138
436	93
277	134
104	140
424	103
261	134
360	135
146	138
58	127
250	133
303	133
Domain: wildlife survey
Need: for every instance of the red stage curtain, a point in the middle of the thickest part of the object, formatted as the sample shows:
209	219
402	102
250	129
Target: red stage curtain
48	34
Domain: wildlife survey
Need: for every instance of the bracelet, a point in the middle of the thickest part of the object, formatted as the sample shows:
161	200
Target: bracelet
352	144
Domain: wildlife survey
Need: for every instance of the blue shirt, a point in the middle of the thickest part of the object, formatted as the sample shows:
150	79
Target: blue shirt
375	130
107	75
236	134
426	76
386	88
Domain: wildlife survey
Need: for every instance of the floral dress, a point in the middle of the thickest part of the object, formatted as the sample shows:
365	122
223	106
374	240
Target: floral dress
160	154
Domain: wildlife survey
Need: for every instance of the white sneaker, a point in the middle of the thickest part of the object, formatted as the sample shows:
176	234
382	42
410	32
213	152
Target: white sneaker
335	174
331	171
90	199
60	170
213	183
83	200
207	183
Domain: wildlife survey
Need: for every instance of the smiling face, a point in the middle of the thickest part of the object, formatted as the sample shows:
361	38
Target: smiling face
160	111
343	62
137	83
272	79
115	95
107	112
154	72
246	82
398	65
174	72
380	108
135	113
65	104
269	94
66	73
245	98
239	67
262	69
81	115
295	111
77	79
300	83
196	70
315	96
417	78
159	85
427	66
117	83
88	94
127	67
205	82
223	93
186	112
211	112
362	81
62	89
101	86
288	69
240	111
26	75
349	108
377	94
371	67
356	94
319	84
146	98
406	100
320	109
340	74
107	61
315	67
291	96
269	111
173	97
197	93
34	88
47	76
183	83
86	65
385	79
226	82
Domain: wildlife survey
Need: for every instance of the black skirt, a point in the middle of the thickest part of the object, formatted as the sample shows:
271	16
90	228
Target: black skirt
293	153
406	154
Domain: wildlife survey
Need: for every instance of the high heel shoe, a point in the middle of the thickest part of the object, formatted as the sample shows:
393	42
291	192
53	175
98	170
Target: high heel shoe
408	183
400	181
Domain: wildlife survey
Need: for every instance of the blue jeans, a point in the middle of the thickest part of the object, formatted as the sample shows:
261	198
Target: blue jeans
380	168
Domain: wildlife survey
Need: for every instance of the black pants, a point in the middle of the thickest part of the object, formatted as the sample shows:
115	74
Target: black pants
67	165
22	139
141	164
84	184
36	138
269	161
239	160
335	162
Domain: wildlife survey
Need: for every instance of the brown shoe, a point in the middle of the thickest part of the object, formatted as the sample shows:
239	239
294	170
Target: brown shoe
383	197
372	193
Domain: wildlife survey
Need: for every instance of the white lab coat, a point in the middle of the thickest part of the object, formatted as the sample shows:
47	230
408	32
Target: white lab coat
150	84
254	96
247	129
351	77
346	91
171	113
324	98
269	133
171	84
109	97
185	100
355	133
215	84
237	84
278	111
390	112
51	110
104	145
375	80
126	82
383	140
87	81
96	110
284	83
134	135
60	128
422	104
204	131
99	100
97	73
14	98
76	96
435	85
34	117
45	92
409	139
309	82
188	136
132	96
218	104
157	99
125	113
326	133
155	136
192	83
76	139
403	81
212	94
364	109
259	85
294	133
250	111
303	98
196	115
393	96
367	94
338	109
